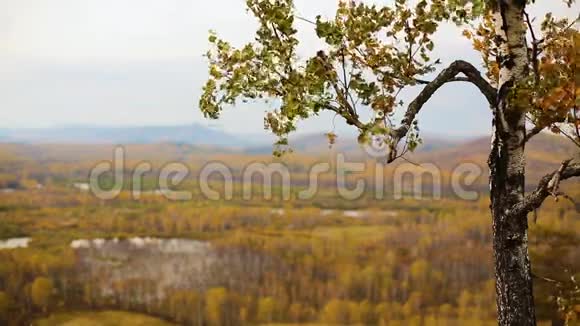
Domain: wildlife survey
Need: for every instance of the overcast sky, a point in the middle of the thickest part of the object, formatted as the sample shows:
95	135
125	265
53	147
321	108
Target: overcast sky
139	62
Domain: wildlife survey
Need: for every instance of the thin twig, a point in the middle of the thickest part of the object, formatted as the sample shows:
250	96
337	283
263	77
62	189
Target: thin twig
305	20
576	142
549	280
535	53
576	122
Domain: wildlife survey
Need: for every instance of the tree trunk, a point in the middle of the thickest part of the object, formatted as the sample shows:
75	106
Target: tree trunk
515	302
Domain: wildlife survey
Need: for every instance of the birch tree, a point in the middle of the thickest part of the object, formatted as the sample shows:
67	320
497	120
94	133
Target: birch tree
372	53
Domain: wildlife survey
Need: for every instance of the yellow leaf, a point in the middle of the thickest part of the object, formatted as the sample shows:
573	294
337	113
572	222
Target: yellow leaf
467	34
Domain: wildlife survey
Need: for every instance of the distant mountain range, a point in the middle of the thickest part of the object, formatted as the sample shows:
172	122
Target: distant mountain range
184	134
194	134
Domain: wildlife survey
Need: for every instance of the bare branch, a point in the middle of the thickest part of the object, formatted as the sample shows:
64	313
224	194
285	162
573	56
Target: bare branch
306	20
547	186
538	128
351	120
549	280
447	75
534	131
347	83
535	50
456	79
570	137
576	124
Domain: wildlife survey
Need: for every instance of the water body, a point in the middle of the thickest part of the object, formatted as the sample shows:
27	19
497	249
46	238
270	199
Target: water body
14	243
359	214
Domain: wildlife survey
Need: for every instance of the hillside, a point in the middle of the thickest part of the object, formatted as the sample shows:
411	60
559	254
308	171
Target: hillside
314	144
544	154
